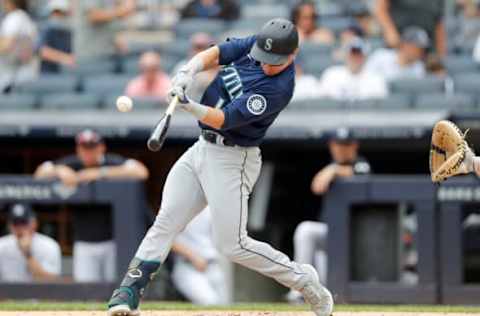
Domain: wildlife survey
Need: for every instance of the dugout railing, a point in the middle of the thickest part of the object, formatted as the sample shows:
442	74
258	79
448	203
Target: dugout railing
127	199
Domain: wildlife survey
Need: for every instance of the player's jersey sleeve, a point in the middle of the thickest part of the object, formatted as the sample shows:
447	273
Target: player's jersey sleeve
235	48
251	107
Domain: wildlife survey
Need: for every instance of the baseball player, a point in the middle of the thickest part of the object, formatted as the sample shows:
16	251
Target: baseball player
254	85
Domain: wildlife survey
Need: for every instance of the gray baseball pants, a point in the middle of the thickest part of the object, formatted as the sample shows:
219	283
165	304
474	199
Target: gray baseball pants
223	178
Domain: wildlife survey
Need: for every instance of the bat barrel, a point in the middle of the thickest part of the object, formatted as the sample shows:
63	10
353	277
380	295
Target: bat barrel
154	144
157	138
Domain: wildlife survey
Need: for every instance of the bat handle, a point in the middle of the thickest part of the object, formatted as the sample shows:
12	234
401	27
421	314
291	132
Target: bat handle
172	106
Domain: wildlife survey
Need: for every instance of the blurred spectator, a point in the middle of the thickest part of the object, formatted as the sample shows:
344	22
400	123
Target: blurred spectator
352	81
94	250
197	273
96	24
363	18
304	16
306	85
18	34
403	62
468	22
219	9
396	16
346	36
153	82
28	256
310	238
199	42
55	46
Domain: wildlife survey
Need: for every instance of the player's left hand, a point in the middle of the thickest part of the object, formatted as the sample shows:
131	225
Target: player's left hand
181	82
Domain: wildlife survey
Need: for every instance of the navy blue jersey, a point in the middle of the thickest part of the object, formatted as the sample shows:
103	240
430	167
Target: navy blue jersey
250	99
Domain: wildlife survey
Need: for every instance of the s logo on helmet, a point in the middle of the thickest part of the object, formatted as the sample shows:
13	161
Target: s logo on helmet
268	44
256	104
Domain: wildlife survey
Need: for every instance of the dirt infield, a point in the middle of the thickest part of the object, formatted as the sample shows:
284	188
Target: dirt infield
227	313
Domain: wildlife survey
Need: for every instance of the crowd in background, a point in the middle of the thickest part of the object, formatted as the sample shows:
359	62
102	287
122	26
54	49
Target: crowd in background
366	46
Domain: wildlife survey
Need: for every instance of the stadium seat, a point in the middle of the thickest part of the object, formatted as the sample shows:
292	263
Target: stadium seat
136	48
266	11
395	101
310	50
444	101
316	104
429	84
186	27
49	84
130	65
460	63
316	65
467	47
362	104
69	101
335	23
140	103
17	102
92	67
467	83
253	24
106	84
179	49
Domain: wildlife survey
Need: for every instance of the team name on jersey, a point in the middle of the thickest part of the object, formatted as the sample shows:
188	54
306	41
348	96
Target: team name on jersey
232	82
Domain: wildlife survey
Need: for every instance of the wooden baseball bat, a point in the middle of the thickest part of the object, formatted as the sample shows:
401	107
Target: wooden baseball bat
159	133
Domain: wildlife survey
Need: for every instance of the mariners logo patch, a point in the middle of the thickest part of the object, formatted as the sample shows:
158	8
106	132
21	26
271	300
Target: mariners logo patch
256	104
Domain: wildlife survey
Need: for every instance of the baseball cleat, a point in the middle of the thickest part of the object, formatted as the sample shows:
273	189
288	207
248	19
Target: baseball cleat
122	310
122	302
315	294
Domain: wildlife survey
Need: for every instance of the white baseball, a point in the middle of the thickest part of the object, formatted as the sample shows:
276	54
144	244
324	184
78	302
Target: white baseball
124	104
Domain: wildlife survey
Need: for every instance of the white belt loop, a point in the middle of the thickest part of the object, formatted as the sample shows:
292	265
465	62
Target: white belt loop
219	139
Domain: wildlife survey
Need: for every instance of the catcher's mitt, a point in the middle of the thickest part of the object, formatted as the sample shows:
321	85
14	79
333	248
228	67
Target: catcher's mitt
450	154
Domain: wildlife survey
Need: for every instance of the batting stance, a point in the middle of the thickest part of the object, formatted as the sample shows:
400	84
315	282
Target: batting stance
220	169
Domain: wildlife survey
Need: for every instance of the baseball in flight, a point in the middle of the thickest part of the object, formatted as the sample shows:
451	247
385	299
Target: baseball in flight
124	104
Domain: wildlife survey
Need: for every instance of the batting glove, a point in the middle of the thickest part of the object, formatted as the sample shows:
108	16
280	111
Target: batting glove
181	82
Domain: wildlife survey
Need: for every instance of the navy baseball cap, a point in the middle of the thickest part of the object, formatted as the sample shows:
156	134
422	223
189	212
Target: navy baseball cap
88	138
277	39
342	135
357	45
20	214
417	36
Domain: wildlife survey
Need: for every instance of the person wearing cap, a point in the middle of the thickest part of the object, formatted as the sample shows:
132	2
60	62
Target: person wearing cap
28	256
55	44
351	81
310	237
153	82
199	42
406	61
254	85
94	250
396	16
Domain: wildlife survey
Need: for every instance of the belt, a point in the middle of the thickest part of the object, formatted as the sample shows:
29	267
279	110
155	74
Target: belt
215	138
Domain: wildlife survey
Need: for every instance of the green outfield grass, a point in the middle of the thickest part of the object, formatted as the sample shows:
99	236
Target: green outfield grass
90	306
